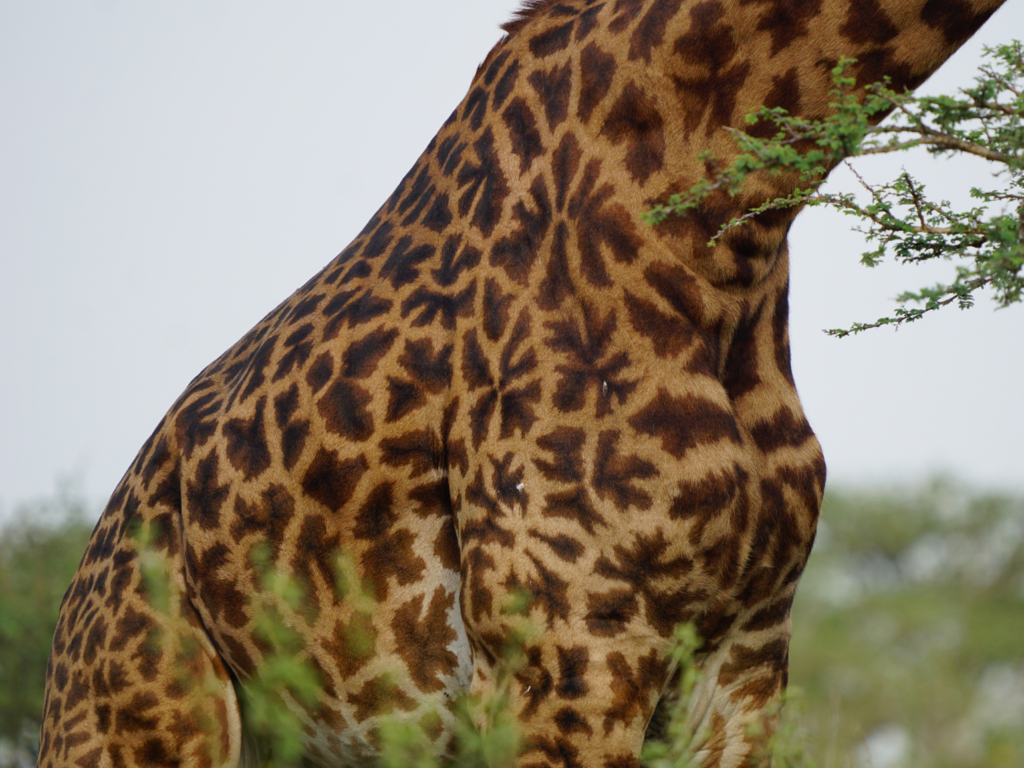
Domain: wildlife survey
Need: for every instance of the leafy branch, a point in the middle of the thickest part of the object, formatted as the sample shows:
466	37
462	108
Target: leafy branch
898	218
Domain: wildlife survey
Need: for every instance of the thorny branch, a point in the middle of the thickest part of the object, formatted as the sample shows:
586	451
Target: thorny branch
933	139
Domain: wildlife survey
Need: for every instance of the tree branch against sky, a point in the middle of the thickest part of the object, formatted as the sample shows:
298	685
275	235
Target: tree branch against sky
898	219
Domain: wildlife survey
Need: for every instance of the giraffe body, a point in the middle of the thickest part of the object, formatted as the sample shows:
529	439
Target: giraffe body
507	382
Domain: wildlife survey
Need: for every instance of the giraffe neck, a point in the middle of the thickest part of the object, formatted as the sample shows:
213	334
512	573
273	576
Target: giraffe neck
671	75
737	55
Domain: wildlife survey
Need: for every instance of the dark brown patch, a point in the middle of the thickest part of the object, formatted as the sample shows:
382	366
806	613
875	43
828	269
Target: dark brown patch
247	447
684	422
455	261
783	430
495	310
557	283
565	162
649	33
748	664
353	644
315	552
345	410
631	689
548	591
196	423
566	445
702	500
574	504
742	372
551	41
320	372
786	20
709	45
553	88
569	721
431	370
655	575
634	119
404	397
614	474
204	495
362	357
669	334
293	433
526	140
220	596
564	547
626	12
536	681
780	335
418	449
785	93
868	23
475	108
572	672
297	349
483	185
956	18
591	362
439	216
597	72
770	616
268	515
380	696
517	252
332	481
602	225
506	84
393	555
400	267
423	644
439	306
446	544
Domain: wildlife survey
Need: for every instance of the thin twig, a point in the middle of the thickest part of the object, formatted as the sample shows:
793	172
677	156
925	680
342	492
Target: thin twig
917	199
936	139
995	106
841	202
972	286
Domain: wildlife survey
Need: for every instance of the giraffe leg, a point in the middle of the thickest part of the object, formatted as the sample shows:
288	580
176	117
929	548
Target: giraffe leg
580	704
734	708
133	677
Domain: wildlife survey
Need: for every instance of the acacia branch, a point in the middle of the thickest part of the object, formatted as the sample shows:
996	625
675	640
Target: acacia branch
931	137
915	314
925	229
995	106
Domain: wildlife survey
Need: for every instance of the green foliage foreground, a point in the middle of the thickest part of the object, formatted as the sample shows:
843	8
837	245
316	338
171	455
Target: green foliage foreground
908	639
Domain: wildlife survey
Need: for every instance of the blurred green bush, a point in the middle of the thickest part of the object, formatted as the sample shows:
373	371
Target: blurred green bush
908	630
40	548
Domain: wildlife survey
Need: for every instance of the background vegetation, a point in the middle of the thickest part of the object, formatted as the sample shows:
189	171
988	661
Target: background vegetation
908	641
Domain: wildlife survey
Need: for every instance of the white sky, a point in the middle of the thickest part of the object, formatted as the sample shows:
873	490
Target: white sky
170	172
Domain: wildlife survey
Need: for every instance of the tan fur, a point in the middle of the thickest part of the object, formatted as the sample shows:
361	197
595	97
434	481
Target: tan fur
506	382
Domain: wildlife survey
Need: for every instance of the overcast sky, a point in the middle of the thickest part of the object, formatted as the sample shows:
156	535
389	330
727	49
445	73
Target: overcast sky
169	172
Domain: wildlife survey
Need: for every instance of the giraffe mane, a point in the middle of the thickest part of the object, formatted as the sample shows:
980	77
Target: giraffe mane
521	17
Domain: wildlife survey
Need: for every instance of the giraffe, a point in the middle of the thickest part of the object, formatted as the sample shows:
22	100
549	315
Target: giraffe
506	382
